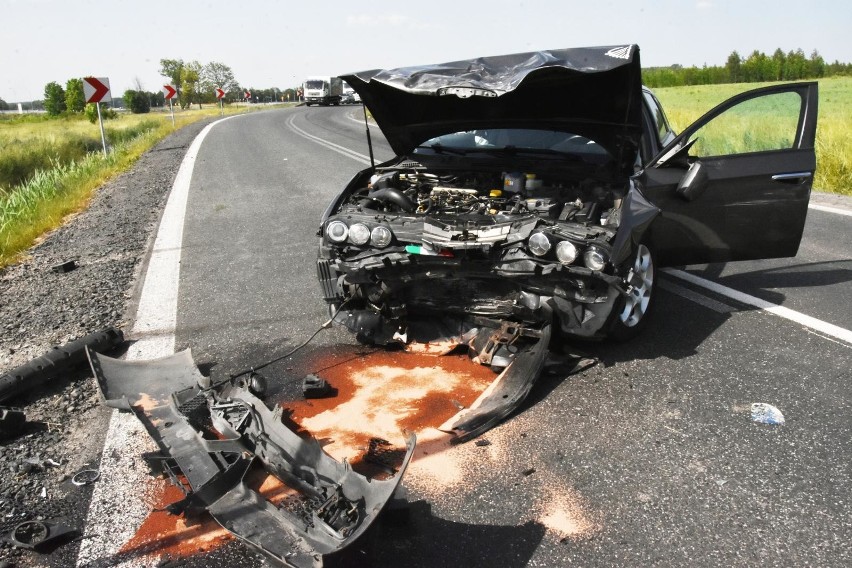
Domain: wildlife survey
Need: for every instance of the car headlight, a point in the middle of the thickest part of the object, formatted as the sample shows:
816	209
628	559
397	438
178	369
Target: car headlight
539	244
359	234
595	258
566	252
381	236
337	231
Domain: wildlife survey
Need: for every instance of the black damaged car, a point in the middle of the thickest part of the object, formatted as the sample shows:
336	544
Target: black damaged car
539	193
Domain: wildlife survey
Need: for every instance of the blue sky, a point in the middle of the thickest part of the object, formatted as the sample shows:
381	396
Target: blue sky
276	44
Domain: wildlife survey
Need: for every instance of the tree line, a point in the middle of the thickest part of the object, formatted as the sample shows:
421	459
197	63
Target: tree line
195	84
756	67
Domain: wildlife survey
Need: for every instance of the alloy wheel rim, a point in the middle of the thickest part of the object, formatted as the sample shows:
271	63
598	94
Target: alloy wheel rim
642	281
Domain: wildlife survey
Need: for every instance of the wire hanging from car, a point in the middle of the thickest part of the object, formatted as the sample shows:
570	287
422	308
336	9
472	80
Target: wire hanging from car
290	353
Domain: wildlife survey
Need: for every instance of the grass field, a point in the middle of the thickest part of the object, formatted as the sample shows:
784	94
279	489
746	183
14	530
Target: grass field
49	168
834	129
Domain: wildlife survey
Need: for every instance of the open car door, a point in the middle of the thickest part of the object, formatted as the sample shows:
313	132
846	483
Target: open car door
735	185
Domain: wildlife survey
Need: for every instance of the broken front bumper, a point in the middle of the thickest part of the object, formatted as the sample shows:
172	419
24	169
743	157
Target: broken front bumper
210	436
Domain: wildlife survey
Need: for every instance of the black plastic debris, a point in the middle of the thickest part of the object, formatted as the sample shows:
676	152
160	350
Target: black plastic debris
316	387
12	421
64	267
482	443
57	361
85	477
38	535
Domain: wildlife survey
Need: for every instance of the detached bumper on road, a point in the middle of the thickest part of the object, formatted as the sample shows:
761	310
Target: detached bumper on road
210	437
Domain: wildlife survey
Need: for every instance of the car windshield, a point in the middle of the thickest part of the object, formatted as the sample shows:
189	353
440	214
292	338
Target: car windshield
515	140
314	84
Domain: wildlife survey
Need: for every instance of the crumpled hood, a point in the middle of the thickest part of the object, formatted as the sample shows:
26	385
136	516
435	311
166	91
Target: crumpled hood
594	91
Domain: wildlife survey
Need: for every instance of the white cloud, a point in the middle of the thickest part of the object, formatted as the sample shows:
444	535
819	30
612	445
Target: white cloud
704	4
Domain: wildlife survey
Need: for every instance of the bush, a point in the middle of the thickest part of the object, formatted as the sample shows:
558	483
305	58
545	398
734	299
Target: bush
137	101
54	99
106	112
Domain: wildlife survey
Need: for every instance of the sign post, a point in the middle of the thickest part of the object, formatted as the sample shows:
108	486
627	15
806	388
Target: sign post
168	92
96	90
219	94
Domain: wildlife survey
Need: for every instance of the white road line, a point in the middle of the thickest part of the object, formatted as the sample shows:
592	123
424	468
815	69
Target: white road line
694	296
786	313
120	501
827	209
330	145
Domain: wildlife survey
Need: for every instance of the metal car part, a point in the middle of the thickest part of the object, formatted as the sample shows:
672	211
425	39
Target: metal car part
174	402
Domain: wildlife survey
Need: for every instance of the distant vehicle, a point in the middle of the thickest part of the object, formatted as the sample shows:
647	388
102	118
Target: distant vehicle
323	90
349	97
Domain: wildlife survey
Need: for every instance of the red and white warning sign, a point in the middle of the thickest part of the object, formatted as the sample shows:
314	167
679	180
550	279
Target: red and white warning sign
96	90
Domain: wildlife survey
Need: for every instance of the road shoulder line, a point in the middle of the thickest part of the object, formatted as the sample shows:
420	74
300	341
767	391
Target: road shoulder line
827	209
805	320
124	478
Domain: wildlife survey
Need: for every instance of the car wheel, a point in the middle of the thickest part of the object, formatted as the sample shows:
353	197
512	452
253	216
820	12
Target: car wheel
631	312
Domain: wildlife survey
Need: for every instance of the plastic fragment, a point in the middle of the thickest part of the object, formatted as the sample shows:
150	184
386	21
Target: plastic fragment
316	387
764	413
64	267
85	477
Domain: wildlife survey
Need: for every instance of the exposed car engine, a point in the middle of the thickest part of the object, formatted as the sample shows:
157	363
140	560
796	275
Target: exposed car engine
415	191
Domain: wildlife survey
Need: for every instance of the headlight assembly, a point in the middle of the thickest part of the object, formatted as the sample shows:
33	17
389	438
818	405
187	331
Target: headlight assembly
359	234
381	236
566	252
337	231
595	258
538	244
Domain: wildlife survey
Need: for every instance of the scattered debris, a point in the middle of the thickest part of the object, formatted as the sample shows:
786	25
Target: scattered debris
483	442
64	267
37	535
85	477
316	387
763	413
257	384
56	361
529	471
211	436
12	421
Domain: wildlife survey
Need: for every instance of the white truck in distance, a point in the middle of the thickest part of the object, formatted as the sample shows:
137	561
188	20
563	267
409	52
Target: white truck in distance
323	90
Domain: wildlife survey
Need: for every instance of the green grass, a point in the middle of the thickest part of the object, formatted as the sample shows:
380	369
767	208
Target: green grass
834	128
57	165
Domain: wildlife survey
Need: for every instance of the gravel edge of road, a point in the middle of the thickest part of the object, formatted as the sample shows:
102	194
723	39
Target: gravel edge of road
39	309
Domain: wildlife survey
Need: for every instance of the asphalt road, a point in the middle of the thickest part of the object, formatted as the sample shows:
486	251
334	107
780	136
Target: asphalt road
650	458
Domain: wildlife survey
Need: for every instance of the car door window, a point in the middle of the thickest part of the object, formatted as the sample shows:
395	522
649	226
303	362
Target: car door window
761	124
661	124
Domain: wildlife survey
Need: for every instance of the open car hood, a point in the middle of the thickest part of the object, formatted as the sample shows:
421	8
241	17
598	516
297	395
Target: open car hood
594	91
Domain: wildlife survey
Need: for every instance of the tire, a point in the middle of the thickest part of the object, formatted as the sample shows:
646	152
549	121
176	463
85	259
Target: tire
631	313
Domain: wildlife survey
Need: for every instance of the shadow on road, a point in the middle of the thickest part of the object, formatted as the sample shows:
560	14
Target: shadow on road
415	537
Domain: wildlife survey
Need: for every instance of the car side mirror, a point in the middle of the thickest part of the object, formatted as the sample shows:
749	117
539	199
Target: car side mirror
694	181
